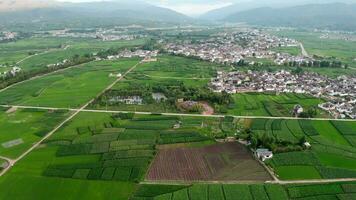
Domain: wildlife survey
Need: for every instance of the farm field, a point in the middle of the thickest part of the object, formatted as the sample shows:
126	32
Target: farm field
98	154
314	45
230	161
173	76
53	50
179	67
295	51
263	104
21	128
69	88
332	191
330	155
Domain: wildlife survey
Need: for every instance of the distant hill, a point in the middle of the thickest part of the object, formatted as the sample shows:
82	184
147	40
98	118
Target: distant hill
330	16
107	12
16	5
221	13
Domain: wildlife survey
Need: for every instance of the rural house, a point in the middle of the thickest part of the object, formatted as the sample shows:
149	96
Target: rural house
263	154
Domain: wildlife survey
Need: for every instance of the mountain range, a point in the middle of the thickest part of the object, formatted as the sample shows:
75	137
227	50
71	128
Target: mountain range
298	13
335	16
101	12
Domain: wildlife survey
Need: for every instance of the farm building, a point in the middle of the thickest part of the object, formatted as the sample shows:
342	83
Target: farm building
263	154
131	100
159	97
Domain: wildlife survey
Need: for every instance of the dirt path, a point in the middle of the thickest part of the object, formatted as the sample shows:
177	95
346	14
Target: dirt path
72	115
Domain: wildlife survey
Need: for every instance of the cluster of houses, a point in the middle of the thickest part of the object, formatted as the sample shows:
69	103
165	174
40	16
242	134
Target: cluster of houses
65	61
112	34
137	100
12	72
7	36
232	47
148	55
339	93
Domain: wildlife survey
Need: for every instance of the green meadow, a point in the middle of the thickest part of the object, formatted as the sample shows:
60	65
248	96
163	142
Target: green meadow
69	88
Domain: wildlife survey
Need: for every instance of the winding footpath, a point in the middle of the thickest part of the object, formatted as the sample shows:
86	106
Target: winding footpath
11	163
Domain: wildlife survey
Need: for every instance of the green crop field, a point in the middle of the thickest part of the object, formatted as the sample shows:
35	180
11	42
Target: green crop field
51	50
295	51
256	104
179	67
70	88
314	45
20	129
331	155
98	154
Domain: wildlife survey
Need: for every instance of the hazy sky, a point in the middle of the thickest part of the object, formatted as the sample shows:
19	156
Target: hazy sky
189	7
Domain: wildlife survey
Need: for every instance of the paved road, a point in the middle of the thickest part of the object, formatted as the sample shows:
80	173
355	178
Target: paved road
174	114
72	115
304	52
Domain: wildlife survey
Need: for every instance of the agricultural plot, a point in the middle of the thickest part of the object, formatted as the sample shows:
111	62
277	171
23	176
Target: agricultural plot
19	129
331	154
348	130
314	45
171	76
286	130
216	191
230	161
263	104
95	153
177	67
53	50
334	191
69	88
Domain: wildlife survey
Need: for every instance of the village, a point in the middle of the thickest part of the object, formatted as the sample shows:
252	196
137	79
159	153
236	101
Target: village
7	36
231	48
339	93
103	34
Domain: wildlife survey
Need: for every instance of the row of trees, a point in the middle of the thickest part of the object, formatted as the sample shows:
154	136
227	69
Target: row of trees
275	144
317	63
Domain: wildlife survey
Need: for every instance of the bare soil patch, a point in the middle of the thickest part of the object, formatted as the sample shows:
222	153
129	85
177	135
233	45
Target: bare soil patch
219	162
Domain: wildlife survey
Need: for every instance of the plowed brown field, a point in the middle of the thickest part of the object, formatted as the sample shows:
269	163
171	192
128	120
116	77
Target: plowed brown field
228	161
